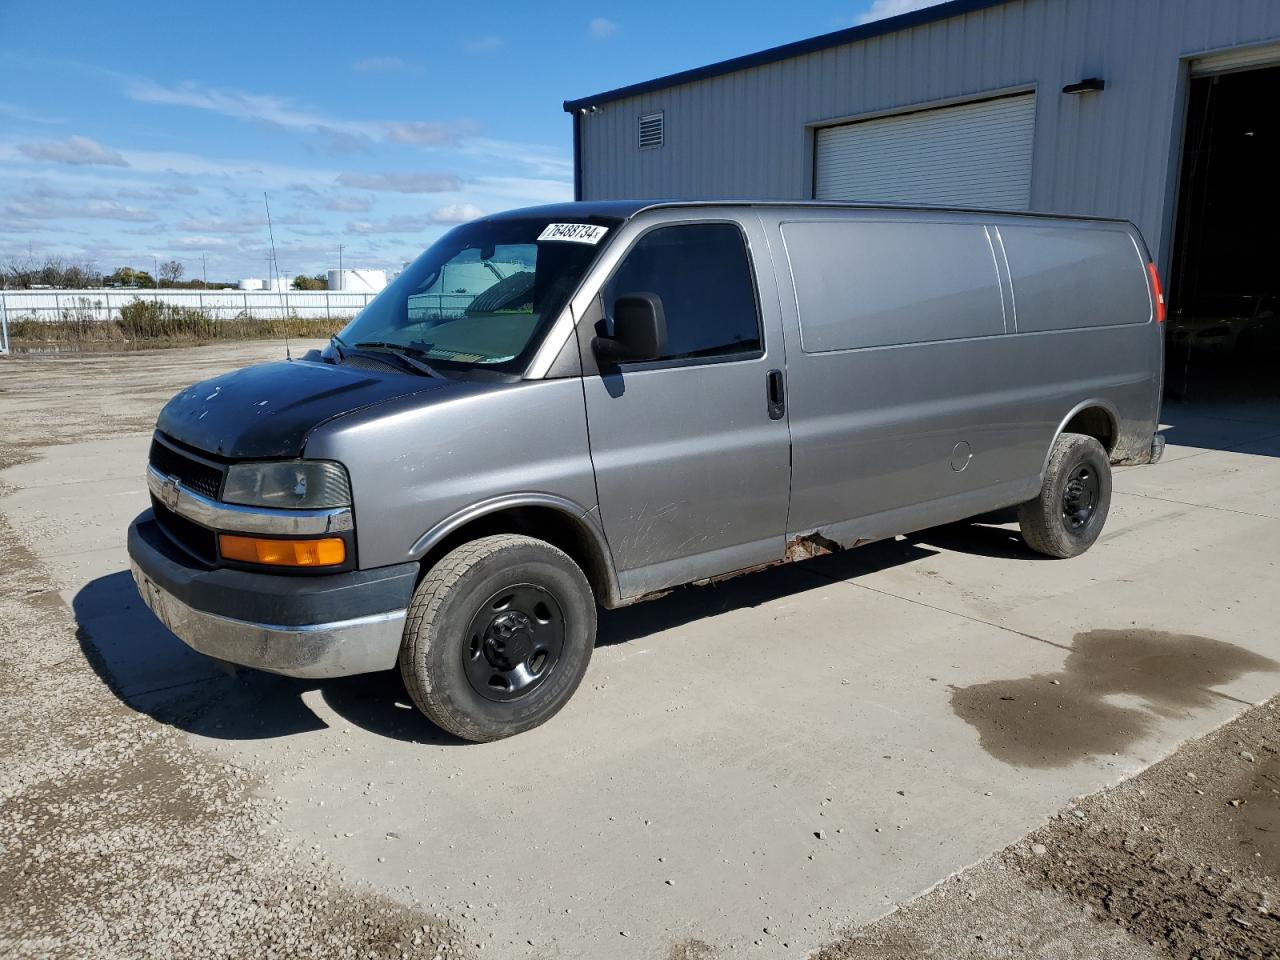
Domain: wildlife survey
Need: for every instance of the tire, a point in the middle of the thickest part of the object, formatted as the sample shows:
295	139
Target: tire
481	618
1066	519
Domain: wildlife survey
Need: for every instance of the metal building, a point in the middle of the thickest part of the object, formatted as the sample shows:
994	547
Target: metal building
1164	112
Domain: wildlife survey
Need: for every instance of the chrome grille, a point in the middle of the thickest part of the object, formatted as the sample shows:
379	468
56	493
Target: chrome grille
202	476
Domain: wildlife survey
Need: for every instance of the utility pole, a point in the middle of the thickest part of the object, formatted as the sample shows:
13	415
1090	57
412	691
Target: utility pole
339	263
155	277
204	270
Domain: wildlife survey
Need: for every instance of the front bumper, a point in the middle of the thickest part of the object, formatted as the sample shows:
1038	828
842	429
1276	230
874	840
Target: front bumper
315	626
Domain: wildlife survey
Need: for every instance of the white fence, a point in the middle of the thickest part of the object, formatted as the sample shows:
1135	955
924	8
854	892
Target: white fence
82	305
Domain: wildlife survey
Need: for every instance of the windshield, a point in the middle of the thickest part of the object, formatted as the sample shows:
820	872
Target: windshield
481	296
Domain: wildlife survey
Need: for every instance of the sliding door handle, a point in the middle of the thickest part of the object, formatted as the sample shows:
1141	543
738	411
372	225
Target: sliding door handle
776	392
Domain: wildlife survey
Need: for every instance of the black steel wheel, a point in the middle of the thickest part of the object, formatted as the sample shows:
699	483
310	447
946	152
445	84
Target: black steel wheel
514	642
498	637
1080	496
1066	517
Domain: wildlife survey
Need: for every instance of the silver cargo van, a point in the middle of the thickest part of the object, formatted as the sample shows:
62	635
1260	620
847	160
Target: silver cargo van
591	403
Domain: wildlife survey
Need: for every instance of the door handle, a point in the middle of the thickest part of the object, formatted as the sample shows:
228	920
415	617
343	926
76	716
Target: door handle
776	393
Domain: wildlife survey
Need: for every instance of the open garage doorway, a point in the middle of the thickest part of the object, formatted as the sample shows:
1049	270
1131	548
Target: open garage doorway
1224	319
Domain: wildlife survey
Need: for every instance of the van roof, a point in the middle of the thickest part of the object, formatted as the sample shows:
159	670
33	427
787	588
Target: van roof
626	209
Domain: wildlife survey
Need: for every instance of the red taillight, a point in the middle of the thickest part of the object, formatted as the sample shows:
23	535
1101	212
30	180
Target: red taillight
1156	292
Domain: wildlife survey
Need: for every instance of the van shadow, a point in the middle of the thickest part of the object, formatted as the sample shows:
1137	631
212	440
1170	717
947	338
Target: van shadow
985	536
154	672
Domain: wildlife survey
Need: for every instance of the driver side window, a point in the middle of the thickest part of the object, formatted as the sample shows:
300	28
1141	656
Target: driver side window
703	276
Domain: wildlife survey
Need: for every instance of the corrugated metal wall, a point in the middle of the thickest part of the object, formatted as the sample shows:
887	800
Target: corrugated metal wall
745	134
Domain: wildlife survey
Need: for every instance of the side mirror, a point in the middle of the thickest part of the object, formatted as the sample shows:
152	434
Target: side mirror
639	330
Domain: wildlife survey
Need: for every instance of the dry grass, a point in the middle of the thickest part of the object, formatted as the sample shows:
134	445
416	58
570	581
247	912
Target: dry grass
149	322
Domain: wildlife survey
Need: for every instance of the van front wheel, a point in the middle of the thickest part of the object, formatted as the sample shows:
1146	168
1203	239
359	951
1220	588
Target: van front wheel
498	637
1067	516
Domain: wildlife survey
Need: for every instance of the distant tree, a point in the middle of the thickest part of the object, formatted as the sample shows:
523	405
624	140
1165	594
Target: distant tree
129	277
318	282
171	272
54	272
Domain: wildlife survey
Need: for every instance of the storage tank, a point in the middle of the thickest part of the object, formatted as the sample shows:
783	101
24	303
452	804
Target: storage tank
250	283
357	281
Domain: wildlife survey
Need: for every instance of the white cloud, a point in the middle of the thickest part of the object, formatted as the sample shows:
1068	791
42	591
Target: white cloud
422	133
399	224
248	172
402	182
231	103
541	160
204	243
601	27
349	204
75	150
161	193
525	190
456	213
344	135
16	111
39	208
380	65
485	44
881	9
449	214
223	225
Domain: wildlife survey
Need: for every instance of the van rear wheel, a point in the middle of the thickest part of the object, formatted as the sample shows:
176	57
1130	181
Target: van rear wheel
1067	516
498	636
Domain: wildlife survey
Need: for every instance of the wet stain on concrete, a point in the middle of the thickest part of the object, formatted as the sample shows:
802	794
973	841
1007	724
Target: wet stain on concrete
1055	719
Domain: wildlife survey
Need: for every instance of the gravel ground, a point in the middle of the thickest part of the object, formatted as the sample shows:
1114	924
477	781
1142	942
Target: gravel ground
117	838
121	841
1182	861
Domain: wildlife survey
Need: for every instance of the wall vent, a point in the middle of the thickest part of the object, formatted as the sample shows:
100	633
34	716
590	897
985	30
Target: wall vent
651	131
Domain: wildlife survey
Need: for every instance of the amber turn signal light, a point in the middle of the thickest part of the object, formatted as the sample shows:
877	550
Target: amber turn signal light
328	552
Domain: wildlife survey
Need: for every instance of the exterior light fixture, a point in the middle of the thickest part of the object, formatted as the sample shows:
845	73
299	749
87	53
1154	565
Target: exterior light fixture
1088	85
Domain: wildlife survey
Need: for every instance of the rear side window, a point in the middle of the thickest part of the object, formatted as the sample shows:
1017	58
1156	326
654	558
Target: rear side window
702	274
1075	276
863	283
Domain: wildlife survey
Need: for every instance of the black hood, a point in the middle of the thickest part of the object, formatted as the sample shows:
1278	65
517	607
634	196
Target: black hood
268	410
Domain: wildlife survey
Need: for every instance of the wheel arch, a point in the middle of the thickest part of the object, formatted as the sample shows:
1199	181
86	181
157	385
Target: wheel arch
1095	418
560	522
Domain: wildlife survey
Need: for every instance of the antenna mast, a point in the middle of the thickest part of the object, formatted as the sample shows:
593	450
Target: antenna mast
284	297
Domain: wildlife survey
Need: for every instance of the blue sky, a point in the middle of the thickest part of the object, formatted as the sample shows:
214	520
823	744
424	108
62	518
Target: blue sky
128	133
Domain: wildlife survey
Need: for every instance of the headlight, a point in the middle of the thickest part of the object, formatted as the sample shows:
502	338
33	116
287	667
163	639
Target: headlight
289	484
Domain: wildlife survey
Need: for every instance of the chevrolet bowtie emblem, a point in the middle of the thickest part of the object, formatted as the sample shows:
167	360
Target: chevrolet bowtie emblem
168	492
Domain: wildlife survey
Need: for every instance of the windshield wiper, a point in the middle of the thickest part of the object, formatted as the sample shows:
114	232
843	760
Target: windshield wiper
402	353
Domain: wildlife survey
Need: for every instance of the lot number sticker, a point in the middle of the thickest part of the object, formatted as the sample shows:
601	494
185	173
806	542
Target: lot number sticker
574	232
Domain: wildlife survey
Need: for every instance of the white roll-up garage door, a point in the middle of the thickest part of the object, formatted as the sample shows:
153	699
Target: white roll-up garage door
970	155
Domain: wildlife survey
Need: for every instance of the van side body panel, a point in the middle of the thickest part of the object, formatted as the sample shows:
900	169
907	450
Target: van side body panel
1077	281
874	428
692	474
415	465
890	437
